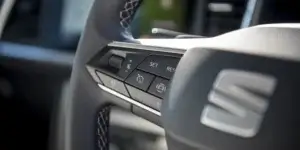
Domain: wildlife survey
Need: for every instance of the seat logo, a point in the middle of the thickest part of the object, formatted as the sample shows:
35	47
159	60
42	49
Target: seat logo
238	102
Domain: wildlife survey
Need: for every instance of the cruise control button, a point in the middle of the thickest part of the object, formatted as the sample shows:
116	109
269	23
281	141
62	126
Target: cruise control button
113	84
163	66
140	79
144	98
159	87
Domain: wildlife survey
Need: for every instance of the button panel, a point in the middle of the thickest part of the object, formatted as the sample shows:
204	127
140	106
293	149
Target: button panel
139	76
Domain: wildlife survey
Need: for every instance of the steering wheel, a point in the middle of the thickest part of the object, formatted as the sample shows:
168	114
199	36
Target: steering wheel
236	91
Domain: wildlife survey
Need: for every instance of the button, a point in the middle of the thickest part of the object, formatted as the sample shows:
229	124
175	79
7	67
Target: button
132	60
140	79
113	83
159	87
163	66
144	97
146	115
115	61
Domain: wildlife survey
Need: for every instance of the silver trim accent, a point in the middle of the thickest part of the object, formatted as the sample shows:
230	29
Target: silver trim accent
240	110
249	13
106	89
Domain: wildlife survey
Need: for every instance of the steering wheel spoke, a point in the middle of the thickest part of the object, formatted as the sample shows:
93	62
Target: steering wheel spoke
230	92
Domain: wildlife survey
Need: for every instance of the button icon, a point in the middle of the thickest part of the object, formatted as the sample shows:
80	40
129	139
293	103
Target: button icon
128	67
161	88
140	79
153	64
171	69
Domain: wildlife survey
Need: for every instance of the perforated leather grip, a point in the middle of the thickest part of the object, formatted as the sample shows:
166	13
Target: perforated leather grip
102	131
76	124
127	14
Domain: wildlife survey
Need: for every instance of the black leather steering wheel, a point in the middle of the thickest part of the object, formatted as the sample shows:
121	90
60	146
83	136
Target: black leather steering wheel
236	91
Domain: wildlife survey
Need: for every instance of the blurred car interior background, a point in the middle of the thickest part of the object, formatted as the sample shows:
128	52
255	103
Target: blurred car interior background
38	44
